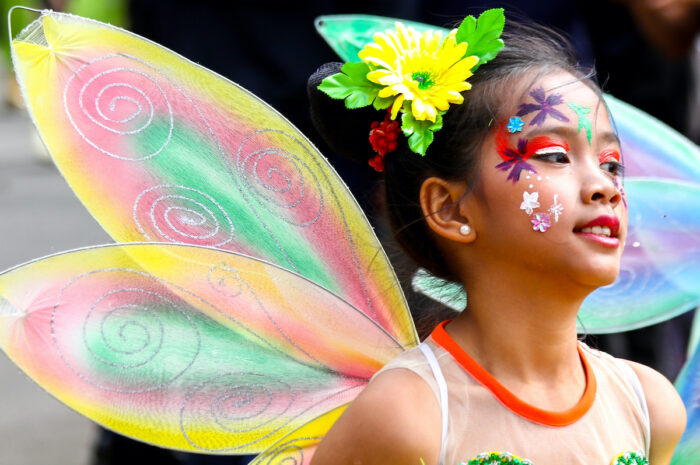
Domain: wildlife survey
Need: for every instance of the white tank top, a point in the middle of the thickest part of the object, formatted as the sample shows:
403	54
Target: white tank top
483	421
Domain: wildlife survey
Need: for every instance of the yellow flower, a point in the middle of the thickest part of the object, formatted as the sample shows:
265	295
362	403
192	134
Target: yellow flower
422	68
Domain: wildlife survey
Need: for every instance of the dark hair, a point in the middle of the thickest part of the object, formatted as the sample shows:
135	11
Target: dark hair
530	52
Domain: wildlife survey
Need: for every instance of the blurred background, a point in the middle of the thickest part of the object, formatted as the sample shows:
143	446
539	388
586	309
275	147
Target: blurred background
646	53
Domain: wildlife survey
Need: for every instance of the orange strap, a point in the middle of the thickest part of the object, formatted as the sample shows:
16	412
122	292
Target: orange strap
510	400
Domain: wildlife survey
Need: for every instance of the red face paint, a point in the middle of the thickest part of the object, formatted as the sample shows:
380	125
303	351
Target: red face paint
525	149
515	159
544	142
607	156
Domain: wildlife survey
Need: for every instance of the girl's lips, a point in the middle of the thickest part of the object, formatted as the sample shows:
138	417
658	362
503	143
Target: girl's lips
608	221
612	242
601	224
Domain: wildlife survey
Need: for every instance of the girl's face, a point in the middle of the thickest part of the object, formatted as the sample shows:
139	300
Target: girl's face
550	195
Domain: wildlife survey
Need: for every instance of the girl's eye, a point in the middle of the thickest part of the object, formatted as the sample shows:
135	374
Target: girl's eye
610	162
552	154
613	167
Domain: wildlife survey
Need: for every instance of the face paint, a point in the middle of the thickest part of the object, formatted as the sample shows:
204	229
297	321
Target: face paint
515	160
545	106
583	121
515	124
530	202
556	209
607	156
540	222
620	188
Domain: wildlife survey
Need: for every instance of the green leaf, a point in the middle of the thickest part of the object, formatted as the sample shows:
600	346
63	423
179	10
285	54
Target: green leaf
383	103
352	85
483	35
420	133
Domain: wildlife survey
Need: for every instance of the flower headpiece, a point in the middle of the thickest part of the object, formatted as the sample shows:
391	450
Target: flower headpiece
416	74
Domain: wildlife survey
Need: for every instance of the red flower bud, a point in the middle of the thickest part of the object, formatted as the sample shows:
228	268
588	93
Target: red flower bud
383	137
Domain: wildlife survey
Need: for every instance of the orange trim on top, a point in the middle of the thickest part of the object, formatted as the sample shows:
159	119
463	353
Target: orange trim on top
510	400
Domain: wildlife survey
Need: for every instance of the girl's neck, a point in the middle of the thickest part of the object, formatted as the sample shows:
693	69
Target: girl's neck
523	332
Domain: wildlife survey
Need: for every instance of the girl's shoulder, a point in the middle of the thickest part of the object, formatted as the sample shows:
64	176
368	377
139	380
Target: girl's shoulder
667	416
381	425
661	402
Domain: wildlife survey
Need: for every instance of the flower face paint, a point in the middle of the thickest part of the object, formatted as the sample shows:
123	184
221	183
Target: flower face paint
515	124
540	222
515	159
574	187
545	106
530	202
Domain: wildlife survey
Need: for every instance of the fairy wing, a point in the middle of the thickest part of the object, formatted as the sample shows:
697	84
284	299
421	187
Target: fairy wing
155	342
659	272
688	385
161	149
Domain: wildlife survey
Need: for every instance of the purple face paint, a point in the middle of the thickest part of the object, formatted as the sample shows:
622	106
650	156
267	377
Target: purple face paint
544	106
621	189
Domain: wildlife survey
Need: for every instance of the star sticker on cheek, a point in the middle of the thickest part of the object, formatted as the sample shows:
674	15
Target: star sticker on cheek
545	105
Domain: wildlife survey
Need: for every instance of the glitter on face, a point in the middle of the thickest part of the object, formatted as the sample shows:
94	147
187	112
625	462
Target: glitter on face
540	222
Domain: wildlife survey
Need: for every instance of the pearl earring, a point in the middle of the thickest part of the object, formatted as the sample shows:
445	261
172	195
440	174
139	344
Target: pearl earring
465	229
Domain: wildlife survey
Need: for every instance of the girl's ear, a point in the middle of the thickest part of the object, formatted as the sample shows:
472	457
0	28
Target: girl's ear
444	209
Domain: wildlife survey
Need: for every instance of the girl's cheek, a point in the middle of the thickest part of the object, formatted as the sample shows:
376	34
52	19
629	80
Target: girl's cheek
542	211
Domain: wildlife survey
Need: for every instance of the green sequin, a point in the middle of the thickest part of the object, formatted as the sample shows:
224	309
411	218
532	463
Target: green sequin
498	458
630	458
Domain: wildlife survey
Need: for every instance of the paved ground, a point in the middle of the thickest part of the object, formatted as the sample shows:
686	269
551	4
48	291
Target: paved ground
38	215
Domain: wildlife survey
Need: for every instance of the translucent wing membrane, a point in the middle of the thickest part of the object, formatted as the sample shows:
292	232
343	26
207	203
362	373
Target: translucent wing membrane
160	149
187	347
348	34
688	385
660	274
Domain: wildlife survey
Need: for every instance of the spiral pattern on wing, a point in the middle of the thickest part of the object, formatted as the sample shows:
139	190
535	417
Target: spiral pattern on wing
238	404
225	280
273	167
288	453
182	214
129	332
119	105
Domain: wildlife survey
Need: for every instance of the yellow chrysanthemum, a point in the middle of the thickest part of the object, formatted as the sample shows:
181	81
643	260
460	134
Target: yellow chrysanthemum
422	68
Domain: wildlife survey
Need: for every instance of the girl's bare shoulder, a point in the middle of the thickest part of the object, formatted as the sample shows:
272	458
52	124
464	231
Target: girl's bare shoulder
395	419
667	415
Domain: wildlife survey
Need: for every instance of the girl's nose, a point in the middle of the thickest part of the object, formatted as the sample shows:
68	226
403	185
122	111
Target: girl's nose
601	187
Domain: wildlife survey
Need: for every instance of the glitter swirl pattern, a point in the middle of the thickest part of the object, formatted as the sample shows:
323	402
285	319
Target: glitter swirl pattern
183	215
279	180
106	102
127	330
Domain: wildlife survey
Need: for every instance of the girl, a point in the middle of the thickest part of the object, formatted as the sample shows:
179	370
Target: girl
519	198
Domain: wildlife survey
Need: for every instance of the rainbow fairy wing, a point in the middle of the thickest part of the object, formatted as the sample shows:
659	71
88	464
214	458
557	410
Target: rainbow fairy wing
155	341
161	149
659	272
688	385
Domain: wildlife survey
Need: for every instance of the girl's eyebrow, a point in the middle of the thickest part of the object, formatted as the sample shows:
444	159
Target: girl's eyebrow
569	131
